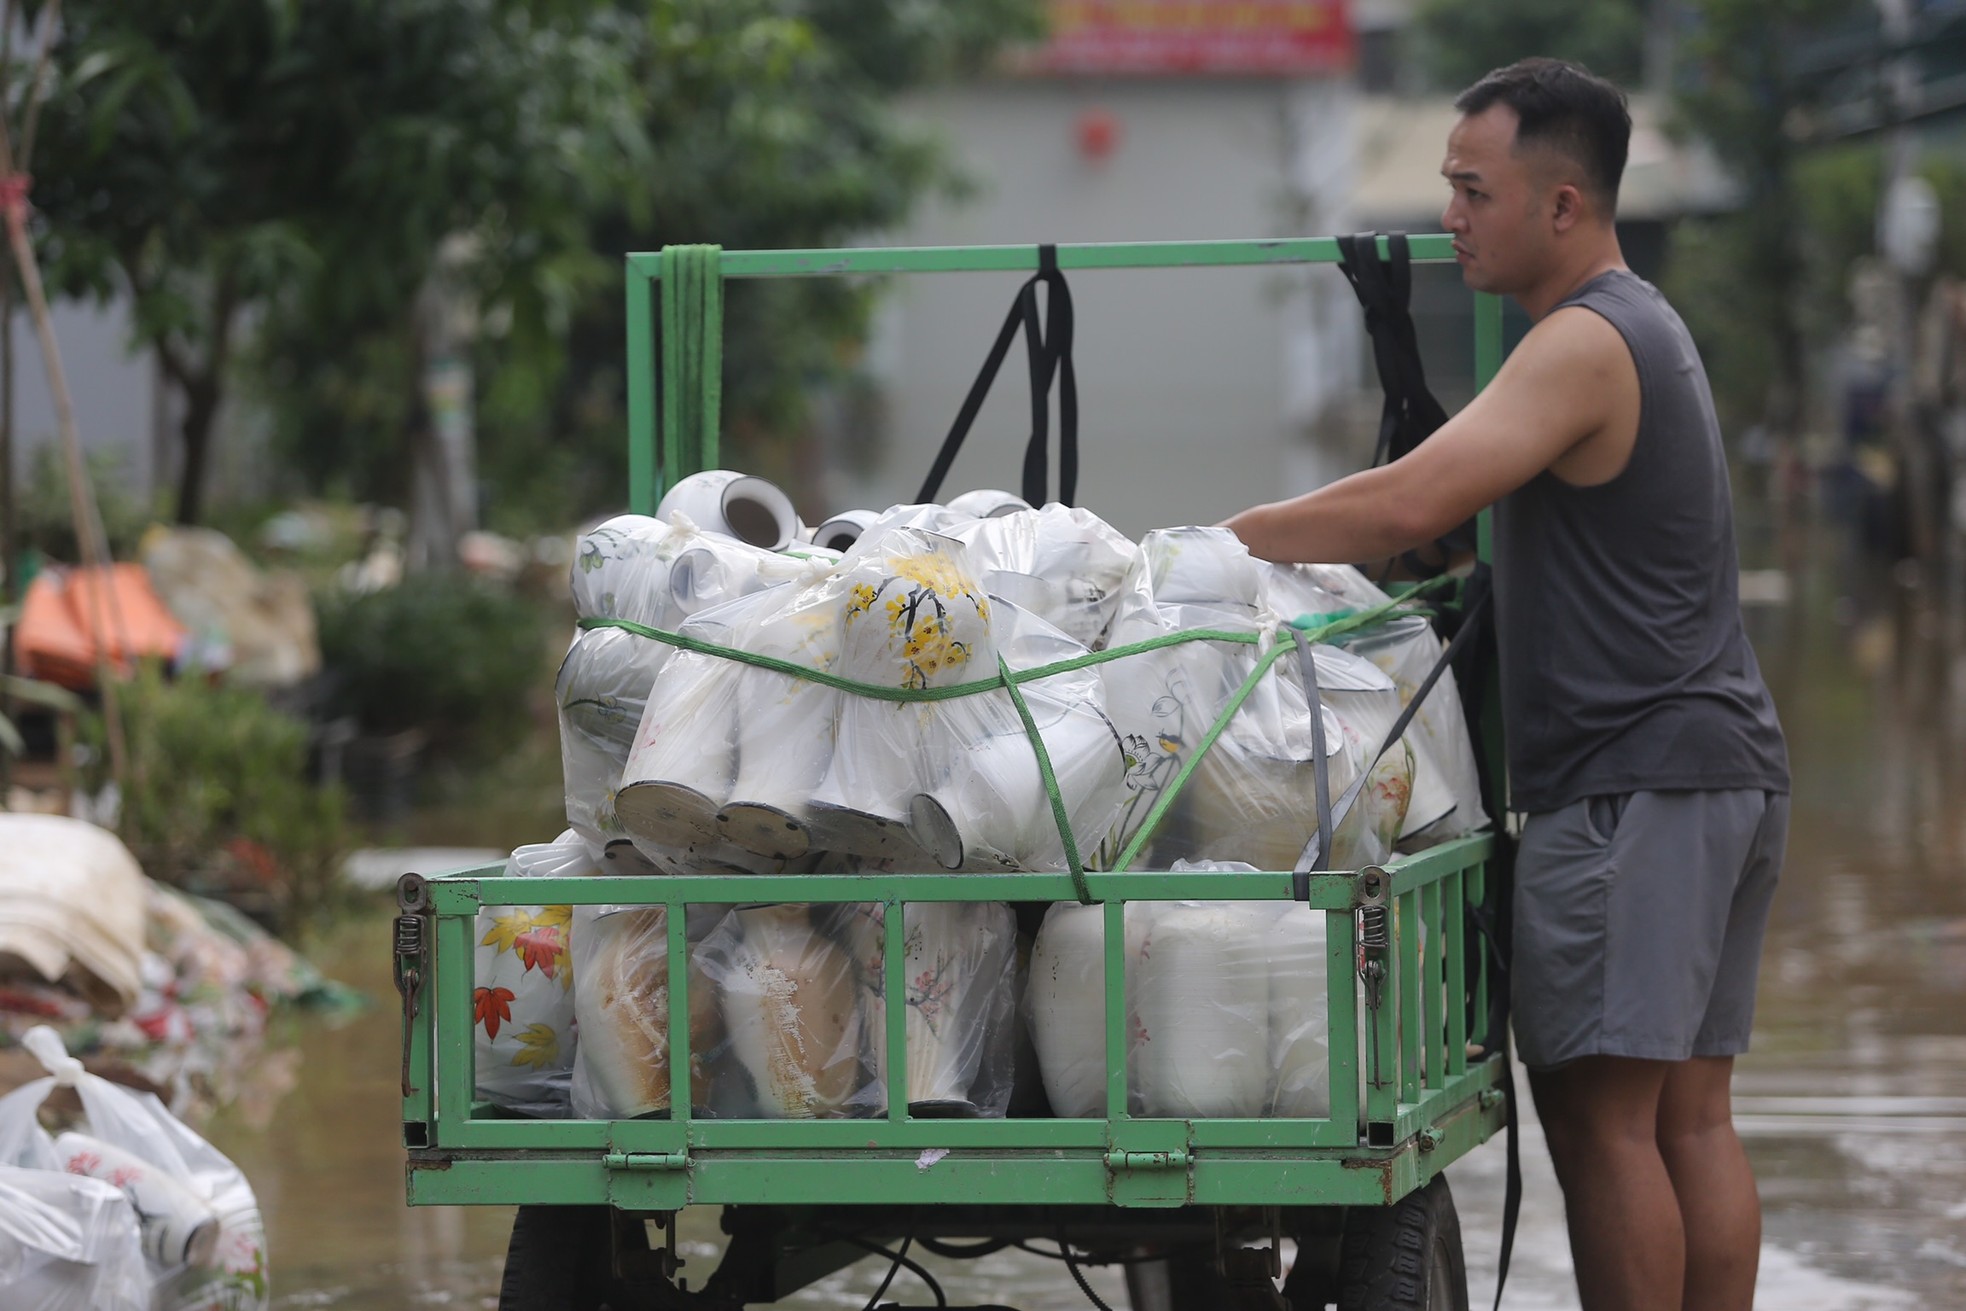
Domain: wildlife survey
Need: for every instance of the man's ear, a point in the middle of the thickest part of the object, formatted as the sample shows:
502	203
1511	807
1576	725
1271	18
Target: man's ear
1567	208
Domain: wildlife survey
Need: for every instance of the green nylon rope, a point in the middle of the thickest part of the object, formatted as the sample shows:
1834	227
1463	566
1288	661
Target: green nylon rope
1159	810
692	359
1010	679
1050	779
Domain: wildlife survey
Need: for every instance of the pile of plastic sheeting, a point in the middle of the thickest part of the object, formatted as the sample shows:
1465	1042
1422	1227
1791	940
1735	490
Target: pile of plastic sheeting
121	1208
173	991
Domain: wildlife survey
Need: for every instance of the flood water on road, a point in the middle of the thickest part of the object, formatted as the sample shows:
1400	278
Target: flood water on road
1853	1102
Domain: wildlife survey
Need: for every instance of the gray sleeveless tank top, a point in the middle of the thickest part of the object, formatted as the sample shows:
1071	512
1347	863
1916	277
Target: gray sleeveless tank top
1624	664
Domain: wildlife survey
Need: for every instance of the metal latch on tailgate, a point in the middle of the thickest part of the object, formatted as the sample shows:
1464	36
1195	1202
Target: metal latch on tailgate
1150	1163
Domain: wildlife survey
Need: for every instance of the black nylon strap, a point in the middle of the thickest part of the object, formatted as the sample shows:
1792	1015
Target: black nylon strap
1317	850
1048	358
1320	771
1410	415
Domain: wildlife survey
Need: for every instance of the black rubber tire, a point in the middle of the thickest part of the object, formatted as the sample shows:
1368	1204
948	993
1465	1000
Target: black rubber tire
1405	1257
559	1259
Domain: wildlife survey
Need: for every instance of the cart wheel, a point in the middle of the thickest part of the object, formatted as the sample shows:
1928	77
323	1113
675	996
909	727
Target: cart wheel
559	1259
1405	1257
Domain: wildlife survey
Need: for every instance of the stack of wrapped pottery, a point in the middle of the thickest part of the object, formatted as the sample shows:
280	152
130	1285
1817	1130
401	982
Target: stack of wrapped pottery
1227	1011
680	758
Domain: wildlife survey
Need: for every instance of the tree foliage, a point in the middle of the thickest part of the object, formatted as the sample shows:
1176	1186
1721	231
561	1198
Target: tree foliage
1463	41
303	164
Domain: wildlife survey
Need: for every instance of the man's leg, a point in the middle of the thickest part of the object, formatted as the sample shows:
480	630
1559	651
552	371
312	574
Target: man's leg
1714	1183
1627	1236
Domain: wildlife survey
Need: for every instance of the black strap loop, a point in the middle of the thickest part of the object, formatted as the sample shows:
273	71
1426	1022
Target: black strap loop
1411	414
1048	356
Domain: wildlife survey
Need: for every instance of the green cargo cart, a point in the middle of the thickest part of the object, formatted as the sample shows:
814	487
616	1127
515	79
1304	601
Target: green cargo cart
1197	1210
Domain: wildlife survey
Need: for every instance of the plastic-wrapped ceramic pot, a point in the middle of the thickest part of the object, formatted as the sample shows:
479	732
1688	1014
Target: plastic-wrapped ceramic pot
791	1010
523	1034
1299	1019
1066	1008
621	999
960	995
735	504
1201	990
988	503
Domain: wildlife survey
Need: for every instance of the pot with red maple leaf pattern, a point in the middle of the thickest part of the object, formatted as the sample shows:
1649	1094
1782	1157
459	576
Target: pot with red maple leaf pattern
522	1007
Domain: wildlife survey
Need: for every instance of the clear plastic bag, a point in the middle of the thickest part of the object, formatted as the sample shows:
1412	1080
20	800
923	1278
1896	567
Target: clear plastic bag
522	1001
961	998
1446	784
69	1243
1227	1009
190	1201
1253	798
794	1024
782	768
1065	565
621	1001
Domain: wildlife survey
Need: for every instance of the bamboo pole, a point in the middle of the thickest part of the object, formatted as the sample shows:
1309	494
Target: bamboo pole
89	534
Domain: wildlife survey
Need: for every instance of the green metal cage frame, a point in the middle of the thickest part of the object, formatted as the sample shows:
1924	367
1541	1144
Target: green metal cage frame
1407	1097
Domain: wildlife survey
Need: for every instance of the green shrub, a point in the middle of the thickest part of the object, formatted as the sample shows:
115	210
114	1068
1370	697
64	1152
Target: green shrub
219	799
457	659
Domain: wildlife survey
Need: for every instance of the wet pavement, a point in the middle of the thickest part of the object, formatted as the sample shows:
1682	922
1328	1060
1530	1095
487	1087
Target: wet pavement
1853	1103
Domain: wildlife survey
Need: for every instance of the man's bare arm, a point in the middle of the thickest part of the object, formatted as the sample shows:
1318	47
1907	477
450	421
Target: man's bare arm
1561	387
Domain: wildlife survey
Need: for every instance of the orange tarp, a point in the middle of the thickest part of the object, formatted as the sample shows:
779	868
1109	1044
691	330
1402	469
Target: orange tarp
70	615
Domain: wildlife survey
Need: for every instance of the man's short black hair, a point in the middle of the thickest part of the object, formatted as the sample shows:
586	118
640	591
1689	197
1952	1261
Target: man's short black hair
1564	105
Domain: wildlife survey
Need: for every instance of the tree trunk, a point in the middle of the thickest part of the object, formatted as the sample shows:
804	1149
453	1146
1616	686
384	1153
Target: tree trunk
195	432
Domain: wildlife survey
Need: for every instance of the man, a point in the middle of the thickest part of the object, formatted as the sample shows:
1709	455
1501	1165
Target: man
1643	745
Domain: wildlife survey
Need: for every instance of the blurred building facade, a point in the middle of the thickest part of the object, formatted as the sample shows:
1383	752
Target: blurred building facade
1201	391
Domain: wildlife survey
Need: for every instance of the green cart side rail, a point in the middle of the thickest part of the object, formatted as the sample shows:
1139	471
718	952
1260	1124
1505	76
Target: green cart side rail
1402	972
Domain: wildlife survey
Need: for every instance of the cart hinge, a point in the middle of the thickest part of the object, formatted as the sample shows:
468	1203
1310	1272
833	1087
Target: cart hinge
646	1160
1176	1159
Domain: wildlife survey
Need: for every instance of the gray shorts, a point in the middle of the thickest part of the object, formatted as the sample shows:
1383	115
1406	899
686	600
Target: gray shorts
1638	924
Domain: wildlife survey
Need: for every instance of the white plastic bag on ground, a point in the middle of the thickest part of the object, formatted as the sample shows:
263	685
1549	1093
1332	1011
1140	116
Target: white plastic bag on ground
68	1243
201	1181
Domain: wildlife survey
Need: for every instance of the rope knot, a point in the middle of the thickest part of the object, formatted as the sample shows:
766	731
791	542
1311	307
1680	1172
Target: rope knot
13	193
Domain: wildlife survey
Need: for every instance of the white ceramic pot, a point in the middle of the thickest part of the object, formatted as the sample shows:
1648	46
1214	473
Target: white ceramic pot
1300	1021
1446	795
523	1007
988	503
1205	567
791	1006
785	725
621	1001
735	504
602	693
840	532
621	568
1202	993
1065	1002
992	811
958	999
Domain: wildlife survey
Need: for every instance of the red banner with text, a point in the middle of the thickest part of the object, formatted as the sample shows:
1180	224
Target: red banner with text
1196	36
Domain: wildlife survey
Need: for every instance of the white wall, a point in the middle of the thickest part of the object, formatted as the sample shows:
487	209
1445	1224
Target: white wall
1197	387
112	391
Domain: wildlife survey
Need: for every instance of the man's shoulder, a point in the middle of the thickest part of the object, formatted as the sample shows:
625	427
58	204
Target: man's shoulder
1574	345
